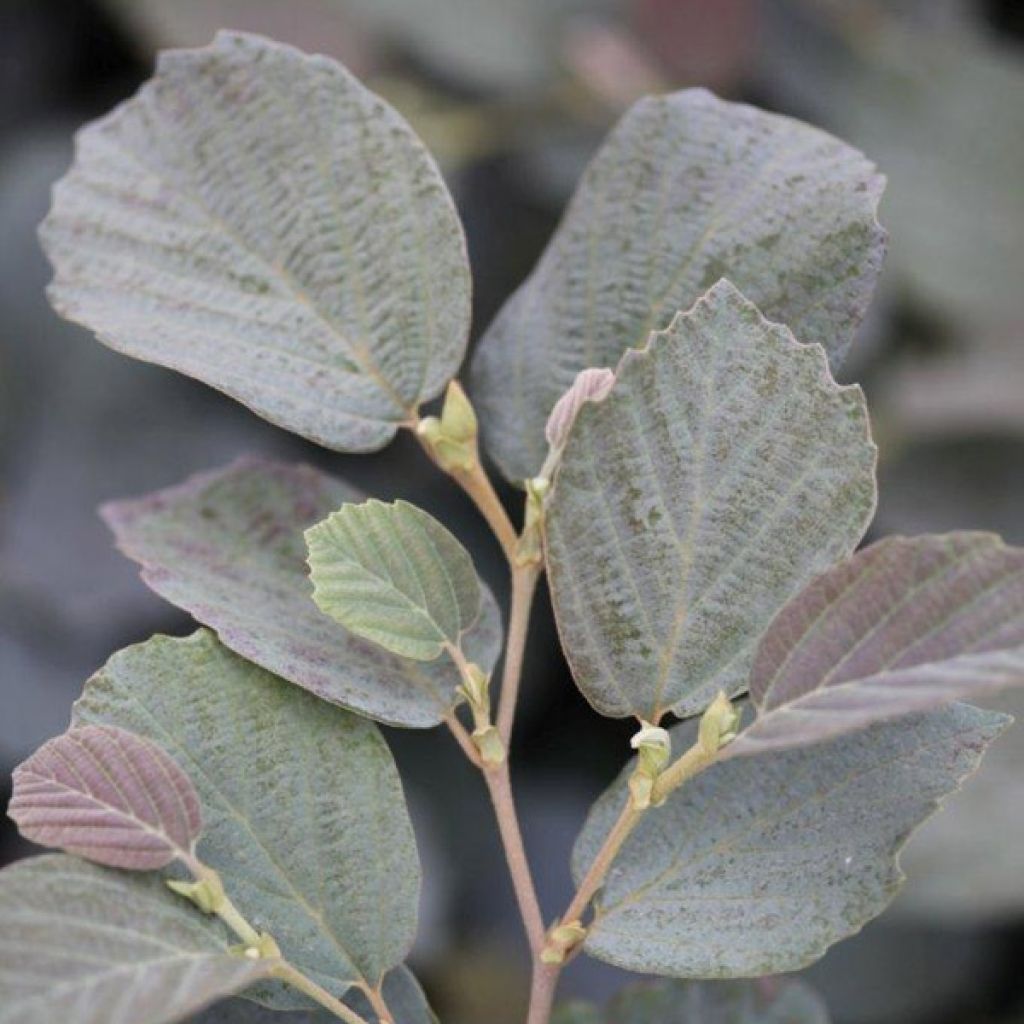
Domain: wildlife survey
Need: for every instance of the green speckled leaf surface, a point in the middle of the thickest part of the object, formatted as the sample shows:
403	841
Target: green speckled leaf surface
687	189
91	945
258	219
724	470
757	865
227	546
305	816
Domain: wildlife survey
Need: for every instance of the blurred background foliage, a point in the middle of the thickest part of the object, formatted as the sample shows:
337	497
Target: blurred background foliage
513	96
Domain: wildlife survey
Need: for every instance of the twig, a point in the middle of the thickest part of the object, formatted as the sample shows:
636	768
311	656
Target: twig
524	584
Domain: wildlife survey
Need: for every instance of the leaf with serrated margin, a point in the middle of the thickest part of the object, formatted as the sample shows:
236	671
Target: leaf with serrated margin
401	991
227	546
256	218
907	624
687	189
109	796
757	865
723	471
394	575
305	817
766	1001
94	946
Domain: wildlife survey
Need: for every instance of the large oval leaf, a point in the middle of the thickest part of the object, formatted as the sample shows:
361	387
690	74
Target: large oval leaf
256	218
905	625
757	865
723	471
227	546
767	1001
305	816
94	946
109	796
394	575
686	190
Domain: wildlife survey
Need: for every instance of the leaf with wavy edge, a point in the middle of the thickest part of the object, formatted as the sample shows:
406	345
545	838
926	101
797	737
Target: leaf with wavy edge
766	1001
392	574
109	796
907	624
757	865
227	546
723	471
305	816
687	189
256	218
87	944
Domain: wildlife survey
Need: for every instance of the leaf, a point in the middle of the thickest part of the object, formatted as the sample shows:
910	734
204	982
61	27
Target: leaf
227	546
404	998
905	625
94	946
779	1001
402	993
256	218
687	189
108	796
723	471
757	865
305	817
963	869
394	575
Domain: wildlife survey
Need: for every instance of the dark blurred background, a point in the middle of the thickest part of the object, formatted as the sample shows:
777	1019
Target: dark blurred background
513	96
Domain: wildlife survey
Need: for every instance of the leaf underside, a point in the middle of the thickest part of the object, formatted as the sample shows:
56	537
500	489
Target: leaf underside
305	816
723	471
108	796
757	865
227	546
781	1001
687	189
258	219
94	946
907	624
394	575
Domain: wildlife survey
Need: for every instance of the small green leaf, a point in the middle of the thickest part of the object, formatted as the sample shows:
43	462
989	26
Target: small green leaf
227	546
907	624
767	1001
394	575
258	219
758	864
687	189
305	817
109	796
86	944
723	471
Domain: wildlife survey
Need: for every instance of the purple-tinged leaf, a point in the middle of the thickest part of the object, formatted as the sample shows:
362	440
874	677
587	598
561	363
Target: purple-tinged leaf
109	796
906	625
228	547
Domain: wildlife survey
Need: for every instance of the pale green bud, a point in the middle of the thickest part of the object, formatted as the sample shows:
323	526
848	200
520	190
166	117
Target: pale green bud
458	418
562	940
207	894
719	724
488	741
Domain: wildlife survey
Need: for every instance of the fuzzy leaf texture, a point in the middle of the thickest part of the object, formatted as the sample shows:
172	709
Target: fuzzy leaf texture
905	625
394	575
687	189
757	865
780	1001
258	219
305	817
86	944
228	547
724	470
109	796
401	992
